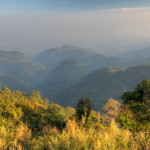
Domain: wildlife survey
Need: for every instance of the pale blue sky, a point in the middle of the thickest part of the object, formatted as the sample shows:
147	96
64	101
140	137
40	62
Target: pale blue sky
14	6
104	25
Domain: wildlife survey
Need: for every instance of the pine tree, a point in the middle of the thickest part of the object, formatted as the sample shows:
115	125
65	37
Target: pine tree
84	107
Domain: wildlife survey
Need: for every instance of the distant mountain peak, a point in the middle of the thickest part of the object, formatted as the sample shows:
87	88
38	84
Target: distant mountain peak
71	62
52	57
67	46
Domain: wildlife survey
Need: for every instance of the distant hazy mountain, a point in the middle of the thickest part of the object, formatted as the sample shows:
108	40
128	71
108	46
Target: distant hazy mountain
137	55
12	84
103	84
99	86
52	57
99	61
64	75
133	75
17	65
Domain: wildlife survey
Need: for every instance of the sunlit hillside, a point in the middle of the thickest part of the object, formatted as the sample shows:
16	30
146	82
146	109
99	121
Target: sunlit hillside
32	122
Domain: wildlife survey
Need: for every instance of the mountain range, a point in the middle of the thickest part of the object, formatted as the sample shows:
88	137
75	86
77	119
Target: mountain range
52	57
103	84
64	74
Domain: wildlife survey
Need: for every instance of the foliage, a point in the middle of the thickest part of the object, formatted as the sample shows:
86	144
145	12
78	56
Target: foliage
17	107
112	109
84	107
31	122
127	119
76	136
20	139
94	120
139	103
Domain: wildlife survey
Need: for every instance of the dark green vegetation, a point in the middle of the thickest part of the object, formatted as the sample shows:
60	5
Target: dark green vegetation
84	107
138	101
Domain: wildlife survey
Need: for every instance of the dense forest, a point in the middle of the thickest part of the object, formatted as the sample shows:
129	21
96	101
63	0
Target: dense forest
28	121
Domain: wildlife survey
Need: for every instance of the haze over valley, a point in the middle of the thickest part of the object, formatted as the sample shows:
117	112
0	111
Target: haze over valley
74	74
64	74
108	27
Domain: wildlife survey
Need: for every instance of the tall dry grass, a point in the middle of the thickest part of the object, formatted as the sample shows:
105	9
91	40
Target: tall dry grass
76	137
20	139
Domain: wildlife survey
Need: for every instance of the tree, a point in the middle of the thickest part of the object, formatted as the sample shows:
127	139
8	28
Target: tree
138	101
84	107
140	94
112	109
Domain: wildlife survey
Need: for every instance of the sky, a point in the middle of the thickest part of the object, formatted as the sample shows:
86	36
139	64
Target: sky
106	26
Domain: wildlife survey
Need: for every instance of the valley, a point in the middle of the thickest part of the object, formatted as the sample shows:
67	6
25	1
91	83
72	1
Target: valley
64	74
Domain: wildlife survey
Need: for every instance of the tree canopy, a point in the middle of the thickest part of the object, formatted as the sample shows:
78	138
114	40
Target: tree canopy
84	107
138	101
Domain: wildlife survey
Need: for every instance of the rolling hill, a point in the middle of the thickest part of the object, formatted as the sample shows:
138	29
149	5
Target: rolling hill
18	66
103	84
64	75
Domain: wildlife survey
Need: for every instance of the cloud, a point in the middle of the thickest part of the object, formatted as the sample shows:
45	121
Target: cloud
135	9
127	9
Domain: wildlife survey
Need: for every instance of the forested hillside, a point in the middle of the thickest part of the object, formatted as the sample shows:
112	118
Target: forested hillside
76	72
32	122
103	84
67	73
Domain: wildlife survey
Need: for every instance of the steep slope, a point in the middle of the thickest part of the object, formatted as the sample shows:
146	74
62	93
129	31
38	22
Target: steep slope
133	75
64	75
103	84
17	65
98	85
